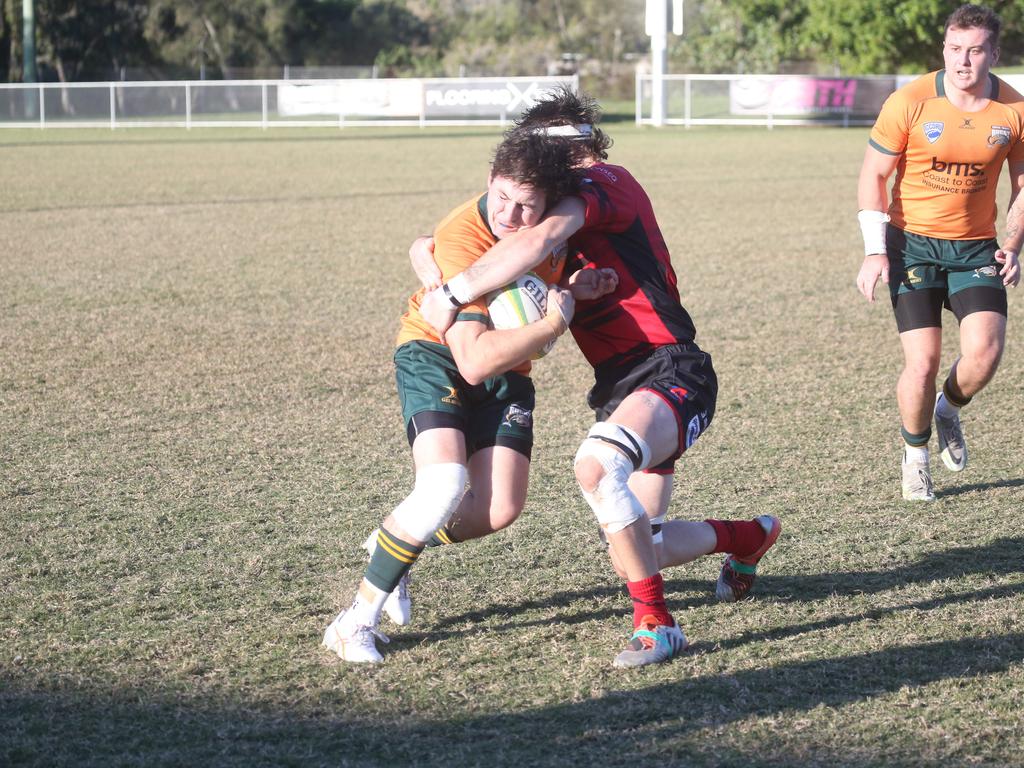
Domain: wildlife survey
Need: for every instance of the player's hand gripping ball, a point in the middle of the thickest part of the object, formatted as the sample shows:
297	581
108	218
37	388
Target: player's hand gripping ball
520	303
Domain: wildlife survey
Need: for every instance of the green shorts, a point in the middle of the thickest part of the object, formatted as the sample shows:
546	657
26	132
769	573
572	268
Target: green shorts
498	411
929	273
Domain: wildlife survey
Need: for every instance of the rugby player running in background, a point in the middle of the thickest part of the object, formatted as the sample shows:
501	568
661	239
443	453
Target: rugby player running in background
946	135
654	390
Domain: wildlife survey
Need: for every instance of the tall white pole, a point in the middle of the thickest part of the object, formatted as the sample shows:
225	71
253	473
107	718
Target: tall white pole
28	48
657	28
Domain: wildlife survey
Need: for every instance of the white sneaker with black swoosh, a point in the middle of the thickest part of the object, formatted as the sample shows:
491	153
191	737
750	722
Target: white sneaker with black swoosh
952	447
917	481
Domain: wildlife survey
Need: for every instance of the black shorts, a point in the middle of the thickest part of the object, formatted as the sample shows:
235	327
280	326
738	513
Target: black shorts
680	374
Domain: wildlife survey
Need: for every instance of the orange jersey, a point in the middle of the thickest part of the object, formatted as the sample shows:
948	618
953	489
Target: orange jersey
949	160
459	240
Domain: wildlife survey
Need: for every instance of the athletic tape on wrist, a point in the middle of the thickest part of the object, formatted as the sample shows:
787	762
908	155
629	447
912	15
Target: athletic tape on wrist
448	292
872	229
458	290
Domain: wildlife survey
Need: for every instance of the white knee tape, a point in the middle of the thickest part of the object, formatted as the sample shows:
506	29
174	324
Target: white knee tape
626	440
613	503
438	491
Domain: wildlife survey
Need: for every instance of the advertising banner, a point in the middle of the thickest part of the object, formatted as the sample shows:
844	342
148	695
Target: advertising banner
802	96
363	98
487	97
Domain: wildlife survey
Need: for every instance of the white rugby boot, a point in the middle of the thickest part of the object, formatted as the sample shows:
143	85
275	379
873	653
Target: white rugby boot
354	642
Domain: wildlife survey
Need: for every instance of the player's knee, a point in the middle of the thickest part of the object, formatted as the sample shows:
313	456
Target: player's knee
439	489
603	464
986	355
922	369
504	512
589	471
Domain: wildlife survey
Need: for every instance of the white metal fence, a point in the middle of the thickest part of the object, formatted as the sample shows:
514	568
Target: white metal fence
272	103
767	100
760	100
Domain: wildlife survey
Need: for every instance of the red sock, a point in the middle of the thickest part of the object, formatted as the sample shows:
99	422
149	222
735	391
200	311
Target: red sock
649	600
737	537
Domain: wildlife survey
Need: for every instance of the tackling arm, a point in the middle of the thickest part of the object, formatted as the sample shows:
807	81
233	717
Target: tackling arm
520	252
506	260
873	202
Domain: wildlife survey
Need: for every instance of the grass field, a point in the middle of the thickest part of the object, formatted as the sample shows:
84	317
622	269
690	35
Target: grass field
198	428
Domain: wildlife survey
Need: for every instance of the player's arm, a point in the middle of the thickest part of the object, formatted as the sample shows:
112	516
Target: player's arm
1009	254
421	254
481	352
509	258
872	204
591	283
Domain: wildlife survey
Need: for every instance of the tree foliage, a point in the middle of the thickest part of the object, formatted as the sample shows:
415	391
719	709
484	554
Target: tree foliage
92	39
741	36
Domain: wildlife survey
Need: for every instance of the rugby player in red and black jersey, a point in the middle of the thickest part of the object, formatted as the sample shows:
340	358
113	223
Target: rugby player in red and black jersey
654	391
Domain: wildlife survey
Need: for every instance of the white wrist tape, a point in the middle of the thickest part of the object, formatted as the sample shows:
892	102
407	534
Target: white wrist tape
872	229
458	287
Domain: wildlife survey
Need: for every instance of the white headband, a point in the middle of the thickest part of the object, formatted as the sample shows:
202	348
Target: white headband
583	131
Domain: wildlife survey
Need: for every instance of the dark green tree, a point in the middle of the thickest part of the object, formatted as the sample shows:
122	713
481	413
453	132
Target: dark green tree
89	39
884	36
725	36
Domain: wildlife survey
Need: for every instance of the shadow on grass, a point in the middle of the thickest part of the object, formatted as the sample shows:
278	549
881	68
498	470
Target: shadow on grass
501	617
1001	557
668	722
957	491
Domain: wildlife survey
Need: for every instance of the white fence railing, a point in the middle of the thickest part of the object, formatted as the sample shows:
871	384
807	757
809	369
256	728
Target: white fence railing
768	100
272	103
761	100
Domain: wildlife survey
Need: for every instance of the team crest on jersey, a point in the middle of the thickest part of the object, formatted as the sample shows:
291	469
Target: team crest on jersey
932	131
518	417
1000	136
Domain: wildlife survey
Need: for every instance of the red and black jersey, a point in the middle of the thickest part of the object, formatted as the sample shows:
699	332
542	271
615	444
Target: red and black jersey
644	312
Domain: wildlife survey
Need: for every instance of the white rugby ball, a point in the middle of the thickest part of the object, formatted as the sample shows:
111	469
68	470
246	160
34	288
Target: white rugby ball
520	303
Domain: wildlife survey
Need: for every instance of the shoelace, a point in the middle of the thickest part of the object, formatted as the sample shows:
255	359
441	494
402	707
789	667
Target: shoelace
956	434
366	628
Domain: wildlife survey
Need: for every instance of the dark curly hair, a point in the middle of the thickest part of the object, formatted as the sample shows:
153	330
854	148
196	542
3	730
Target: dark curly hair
976	17
530	160
563	107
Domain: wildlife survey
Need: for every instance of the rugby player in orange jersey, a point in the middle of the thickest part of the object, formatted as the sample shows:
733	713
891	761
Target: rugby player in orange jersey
946	136
467	401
